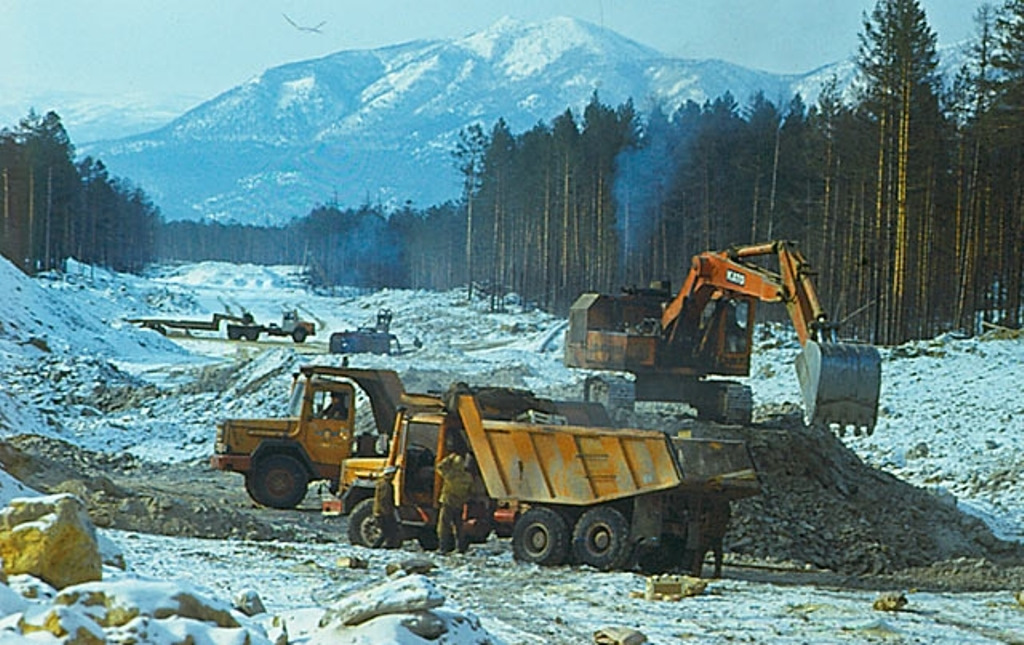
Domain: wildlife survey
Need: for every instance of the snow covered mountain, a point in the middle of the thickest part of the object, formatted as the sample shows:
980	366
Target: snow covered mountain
379	125
94	117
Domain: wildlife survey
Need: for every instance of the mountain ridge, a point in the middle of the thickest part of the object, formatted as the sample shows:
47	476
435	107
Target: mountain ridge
378	126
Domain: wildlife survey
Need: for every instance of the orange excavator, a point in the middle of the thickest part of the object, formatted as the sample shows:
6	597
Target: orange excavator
672	344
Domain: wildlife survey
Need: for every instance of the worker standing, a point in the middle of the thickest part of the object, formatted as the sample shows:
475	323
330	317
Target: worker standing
384	509
456	488
713	521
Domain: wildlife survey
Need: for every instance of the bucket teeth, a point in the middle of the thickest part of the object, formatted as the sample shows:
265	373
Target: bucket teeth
840	384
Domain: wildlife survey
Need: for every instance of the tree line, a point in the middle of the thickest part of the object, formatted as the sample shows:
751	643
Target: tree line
54	208
905	193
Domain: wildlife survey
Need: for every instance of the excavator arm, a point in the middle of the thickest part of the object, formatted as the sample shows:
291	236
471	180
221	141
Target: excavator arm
730	273
840	382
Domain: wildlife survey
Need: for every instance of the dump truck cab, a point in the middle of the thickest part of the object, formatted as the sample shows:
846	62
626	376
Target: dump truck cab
416	447
280	457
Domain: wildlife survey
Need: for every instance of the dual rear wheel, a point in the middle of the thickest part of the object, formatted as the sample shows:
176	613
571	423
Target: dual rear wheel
599	538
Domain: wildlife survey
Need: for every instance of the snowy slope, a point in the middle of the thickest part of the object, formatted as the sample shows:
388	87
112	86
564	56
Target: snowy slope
951	420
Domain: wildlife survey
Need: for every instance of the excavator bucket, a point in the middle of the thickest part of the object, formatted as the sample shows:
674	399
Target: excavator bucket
840	383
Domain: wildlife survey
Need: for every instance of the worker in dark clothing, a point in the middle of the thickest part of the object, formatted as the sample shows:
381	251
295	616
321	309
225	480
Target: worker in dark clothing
456	489
338	408
713	521
384	510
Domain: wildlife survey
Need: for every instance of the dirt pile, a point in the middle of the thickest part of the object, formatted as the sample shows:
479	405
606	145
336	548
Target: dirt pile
822	506
187	499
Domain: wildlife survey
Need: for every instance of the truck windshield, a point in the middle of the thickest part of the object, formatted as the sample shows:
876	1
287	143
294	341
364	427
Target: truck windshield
295	402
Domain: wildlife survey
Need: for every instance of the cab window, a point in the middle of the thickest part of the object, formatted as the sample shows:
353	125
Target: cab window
331	404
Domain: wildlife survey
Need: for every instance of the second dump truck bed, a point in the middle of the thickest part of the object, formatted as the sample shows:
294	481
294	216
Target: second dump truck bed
583	466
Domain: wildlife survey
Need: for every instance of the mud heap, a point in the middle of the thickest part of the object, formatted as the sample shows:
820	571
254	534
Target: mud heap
822	506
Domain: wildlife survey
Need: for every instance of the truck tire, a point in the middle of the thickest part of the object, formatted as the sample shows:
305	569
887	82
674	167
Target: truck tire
428	539
252	334
362	526
277	481
541	536
668	555
234	333
299	335
601	538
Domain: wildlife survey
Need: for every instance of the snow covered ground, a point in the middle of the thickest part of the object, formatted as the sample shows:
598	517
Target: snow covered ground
952	419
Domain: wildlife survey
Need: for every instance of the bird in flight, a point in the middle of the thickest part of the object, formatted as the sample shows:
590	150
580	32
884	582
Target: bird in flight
312	30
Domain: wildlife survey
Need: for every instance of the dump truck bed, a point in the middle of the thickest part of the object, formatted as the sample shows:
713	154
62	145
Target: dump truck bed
716	466
583	466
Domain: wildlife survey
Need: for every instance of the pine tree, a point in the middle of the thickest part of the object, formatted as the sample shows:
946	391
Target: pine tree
896	63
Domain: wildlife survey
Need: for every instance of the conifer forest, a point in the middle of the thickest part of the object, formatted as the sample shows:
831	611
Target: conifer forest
905	192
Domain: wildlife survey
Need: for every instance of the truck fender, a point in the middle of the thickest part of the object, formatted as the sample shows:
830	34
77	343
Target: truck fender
359	490
276	447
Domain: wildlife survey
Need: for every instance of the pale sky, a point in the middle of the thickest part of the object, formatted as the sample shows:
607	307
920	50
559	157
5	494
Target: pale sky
200	48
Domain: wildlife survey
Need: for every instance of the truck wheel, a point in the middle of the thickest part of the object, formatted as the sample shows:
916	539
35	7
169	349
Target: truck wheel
234	333
252	334
601	538
428	539
667	556
299	335
541	536
362	526
277	481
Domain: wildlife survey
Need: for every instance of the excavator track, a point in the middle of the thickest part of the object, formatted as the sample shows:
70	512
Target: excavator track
725	402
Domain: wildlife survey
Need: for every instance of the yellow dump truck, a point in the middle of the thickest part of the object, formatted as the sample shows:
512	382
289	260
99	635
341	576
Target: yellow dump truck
280	457
566	489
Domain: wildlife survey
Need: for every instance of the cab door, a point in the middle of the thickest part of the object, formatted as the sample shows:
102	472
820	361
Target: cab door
328	433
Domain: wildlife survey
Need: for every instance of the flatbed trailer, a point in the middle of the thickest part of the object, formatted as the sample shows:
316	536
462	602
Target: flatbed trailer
161	325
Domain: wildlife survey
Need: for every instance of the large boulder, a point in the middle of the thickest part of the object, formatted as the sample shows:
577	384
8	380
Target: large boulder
114	604
50	538
400	611
400	596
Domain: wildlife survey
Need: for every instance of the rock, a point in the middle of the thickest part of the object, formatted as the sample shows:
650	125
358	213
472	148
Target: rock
425	625
349	562
114	604
50	538
398	628
619	636
410	566
892	601
31	587
672	587
405	595
70	626
249	603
